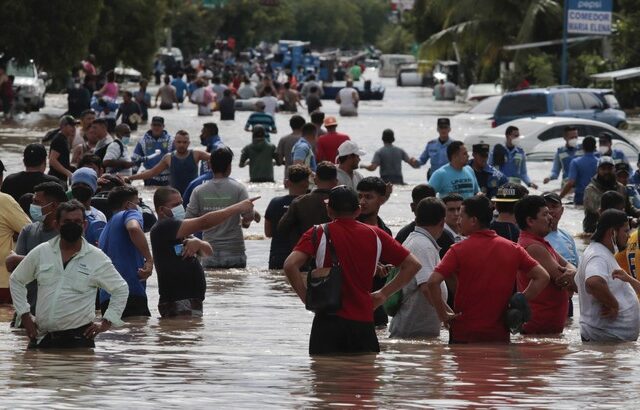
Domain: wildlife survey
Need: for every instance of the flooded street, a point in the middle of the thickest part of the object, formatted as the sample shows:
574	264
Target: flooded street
250	348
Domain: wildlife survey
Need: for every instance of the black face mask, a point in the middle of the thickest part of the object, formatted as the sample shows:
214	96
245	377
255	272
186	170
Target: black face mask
71	232
81	193
608	179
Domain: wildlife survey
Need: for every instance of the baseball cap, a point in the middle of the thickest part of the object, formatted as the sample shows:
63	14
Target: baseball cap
623	167
444	123
157	120
85	176
510	193
330	121
605	136
343	199
480	148
348	148
605	161
552	197
68	120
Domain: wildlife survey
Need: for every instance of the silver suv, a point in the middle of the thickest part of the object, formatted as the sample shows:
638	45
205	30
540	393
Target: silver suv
28	85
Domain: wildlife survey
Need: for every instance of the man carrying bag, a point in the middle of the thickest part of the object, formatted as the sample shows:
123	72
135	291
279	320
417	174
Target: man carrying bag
358	247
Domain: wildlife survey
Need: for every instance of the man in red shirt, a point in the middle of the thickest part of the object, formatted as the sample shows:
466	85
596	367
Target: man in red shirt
486	266
358	248
548	309
327	146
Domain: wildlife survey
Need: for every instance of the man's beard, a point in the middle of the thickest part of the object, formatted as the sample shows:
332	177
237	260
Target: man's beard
608	180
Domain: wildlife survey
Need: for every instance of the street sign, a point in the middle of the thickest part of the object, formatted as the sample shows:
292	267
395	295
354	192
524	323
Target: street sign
589	17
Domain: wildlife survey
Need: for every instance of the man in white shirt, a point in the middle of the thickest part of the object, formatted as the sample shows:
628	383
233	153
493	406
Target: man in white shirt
417	318
117	159
609	308
69	271
348	159
270	101
348	99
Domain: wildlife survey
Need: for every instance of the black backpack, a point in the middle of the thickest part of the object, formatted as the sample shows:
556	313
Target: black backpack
103	150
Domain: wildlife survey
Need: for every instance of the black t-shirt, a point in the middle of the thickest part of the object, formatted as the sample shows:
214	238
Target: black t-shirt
60	144
313	103
23	182
507	230
178	278
227	108
281	244
403	233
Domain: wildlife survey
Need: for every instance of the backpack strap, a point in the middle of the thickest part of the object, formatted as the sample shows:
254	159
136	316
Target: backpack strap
332	250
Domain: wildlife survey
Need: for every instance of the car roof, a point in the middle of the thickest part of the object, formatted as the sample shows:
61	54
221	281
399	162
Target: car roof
553	90
528	126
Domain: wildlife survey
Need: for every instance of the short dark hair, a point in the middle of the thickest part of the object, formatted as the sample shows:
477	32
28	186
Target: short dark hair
452	197
612	200
317	117
510	129
387	136
430	212
226	93
421	191
90	159
162	195
298	173
611	218
221	159
296	122
87	112
570	128
528	207
479	207
258	132
52	190
309	129
211	126
326	171
453	148
119	195
372	184
589	143
69	206
34	154
182	132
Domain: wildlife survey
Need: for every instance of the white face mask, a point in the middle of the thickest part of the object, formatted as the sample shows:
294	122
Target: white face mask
573	142
515	142
603	150
178	212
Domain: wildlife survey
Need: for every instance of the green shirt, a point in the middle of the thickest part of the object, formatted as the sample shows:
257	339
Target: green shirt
355	72
260	155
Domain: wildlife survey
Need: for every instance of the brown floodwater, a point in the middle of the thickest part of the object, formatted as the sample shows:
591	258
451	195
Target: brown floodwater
249	350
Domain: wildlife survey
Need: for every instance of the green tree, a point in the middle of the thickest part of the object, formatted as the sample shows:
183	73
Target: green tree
55	34
328	23
395	39
193	27
130	32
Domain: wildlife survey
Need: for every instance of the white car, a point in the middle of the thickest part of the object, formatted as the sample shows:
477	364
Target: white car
29	85
478	117
541	137
478	92
410	76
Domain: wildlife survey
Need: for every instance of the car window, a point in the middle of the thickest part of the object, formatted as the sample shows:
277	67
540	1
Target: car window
591	101
522	105
596	130
575	102
612	101
486	106
16	70
551	133
558	102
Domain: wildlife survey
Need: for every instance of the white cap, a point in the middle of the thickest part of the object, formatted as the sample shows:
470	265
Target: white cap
349	147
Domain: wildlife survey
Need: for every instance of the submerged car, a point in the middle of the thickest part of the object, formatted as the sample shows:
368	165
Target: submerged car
541	137
29	86
586	103
478	92
478	117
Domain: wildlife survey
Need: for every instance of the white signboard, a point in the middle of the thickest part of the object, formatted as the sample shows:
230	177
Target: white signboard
589	17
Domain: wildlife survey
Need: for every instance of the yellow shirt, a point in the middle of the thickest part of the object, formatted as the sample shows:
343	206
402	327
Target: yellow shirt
12	220
628	258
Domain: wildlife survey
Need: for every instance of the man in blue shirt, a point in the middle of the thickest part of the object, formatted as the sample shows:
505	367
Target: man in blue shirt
605	141
436	149
581	170
564	155
302	151
489	178
209	138
157	138
456	176
510	159
180	86
123	240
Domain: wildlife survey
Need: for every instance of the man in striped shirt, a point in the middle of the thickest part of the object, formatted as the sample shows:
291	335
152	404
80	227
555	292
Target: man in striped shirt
259	117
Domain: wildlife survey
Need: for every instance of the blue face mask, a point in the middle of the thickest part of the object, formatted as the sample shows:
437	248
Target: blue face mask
178	212
125	140
36	212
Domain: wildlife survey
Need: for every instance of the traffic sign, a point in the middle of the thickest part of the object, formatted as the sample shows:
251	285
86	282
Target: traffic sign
589	17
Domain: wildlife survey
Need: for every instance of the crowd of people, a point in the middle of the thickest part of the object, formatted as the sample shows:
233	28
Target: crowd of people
480	254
